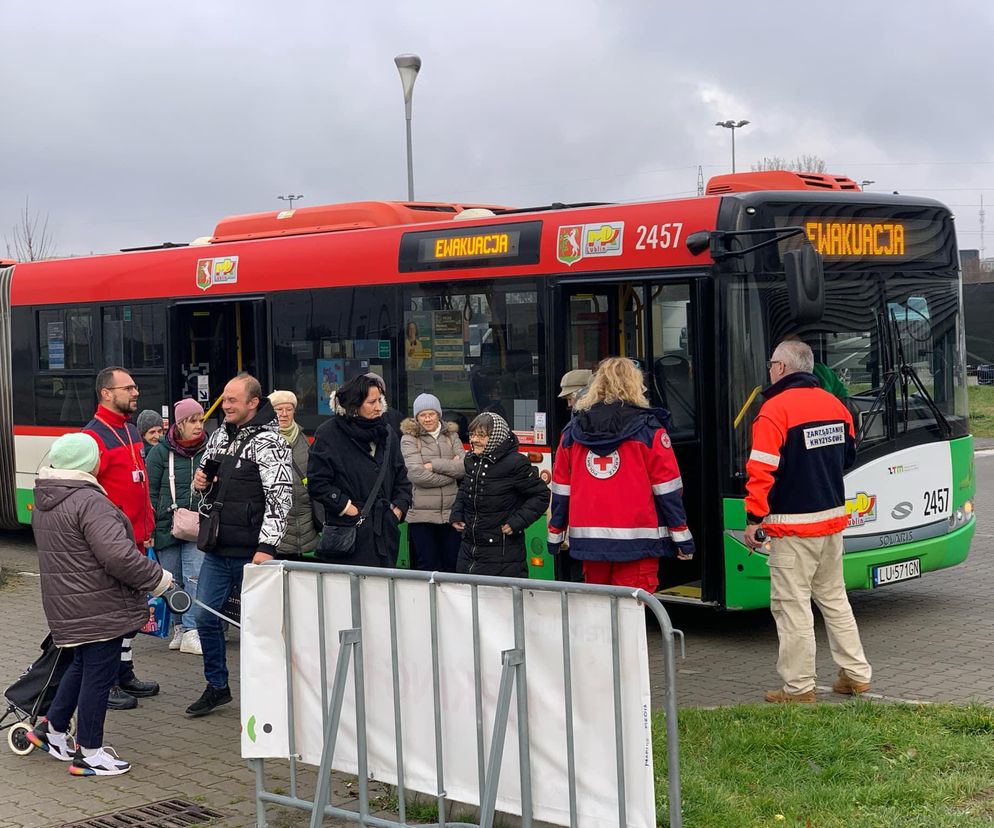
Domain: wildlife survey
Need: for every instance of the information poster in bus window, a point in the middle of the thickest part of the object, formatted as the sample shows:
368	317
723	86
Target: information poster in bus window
56	346
448	344
331	374
417	340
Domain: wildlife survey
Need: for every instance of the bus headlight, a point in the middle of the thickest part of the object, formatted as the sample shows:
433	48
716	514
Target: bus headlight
968	507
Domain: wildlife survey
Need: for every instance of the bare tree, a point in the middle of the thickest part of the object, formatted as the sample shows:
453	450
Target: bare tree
31	239
802	163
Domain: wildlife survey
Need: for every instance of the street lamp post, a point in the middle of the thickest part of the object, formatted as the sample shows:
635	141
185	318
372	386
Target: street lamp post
290	198
732	125
866	182
408	66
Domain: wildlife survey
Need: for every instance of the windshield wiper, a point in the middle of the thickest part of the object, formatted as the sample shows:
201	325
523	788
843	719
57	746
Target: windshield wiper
906	373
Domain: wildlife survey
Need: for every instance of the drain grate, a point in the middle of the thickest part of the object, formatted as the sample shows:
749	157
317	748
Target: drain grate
169	813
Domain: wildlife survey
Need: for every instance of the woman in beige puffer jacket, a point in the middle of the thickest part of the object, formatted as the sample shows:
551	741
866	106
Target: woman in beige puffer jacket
434	457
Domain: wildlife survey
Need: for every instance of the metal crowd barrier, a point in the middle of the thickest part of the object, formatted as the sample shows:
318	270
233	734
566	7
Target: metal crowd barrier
513	683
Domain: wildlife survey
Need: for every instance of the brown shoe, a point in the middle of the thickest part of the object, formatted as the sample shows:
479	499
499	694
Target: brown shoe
847	687
783	697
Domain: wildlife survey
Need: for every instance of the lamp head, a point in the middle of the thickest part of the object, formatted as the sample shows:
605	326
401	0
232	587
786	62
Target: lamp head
408	66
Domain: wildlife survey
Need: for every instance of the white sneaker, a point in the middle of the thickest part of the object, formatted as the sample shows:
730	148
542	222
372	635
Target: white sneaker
105	762
191	643
61	746
177	637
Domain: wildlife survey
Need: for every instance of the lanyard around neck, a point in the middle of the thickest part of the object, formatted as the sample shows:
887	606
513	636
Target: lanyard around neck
129	445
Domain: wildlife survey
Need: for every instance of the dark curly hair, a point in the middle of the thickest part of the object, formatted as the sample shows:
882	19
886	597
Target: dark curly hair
353	393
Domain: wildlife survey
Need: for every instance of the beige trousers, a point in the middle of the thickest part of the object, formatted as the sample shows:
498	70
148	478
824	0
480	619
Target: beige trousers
802	569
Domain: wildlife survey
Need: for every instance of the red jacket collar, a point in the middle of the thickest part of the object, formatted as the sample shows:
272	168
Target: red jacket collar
112	418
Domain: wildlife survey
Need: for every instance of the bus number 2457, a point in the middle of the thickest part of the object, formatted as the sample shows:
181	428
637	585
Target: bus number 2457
658	236
936	502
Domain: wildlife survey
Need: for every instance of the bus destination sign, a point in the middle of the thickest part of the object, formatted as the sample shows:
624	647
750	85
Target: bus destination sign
836	238
850	240
474	246
491	245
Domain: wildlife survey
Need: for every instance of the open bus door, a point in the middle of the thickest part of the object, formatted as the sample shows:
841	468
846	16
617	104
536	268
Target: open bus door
654	322
212	342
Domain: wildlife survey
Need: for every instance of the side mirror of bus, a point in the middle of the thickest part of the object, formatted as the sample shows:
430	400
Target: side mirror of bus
805	284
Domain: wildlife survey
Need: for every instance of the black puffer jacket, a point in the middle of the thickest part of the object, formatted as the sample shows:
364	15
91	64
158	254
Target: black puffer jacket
93	578
343	468
500	487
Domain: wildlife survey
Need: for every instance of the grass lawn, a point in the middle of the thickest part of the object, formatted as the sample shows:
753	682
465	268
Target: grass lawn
859	764
982	410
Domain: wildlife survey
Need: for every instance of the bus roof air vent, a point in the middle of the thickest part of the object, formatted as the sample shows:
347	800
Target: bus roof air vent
778	180
331	218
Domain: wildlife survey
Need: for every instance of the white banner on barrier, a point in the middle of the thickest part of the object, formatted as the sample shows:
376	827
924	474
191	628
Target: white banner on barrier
265	715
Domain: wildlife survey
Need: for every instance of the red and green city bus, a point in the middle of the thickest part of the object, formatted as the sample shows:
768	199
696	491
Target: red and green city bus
487	308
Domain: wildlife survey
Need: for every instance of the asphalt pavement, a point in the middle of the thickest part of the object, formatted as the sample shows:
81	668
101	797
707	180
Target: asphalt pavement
928	640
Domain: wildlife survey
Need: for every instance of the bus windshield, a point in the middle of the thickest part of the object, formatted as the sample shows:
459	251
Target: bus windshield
874	323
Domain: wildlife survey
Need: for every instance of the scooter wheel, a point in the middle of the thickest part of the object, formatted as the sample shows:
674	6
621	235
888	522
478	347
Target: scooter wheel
17	739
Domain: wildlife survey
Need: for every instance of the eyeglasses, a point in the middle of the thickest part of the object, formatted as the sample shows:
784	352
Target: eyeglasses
773	362
128	388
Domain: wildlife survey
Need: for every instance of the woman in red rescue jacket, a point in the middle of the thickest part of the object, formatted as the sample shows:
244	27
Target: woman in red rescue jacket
616	484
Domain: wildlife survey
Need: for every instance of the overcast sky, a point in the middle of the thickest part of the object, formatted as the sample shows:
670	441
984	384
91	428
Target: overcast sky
132	123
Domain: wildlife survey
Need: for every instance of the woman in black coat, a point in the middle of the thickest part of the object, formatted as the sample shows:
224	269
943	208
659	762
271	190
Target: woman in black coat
500	496
346	457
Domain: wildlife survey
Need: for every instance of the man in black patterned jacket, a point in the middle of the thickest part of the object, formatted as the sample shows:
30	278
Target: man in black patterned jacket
252	489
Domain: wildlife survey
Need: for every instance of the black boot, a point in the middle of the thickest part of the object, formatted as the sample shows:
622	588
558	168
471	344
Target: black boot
119	700
212	697
140	689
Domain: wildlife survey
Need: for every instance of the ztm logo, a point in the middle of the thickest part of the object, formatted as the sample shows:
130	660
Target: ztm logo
861	509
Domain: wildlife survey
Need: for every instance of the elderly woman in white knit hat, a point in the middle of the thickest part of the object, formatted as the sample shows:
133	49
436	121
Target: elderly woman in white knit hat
434	456
302	526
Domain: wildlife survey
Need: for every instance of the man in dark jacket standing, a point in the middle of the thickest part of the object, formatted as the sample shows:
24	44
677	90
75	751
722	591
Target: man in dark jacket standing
252	489
802	442
122	475
93	585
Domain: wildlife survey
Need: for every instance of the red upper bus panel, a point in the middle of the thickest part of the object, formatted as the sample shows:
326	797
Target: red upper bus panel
331	217
778	180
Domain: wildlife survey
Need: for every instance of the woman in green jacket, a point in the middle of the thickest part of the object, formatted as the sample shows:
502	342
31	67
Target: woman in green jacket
177	455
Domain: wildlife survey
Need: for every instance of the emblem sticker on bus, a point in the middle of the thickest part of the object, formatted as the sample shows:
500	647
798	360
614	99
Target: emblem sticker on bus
584	241
220	271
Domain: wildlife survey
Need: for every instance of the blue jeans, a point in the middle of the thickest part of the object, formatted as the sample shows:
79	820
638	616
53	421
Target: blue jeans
184	561
218	576
85	688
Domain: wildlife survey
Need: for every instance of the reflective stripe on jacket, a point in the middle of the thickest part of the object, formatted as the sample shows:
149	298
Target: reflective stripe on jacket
802	442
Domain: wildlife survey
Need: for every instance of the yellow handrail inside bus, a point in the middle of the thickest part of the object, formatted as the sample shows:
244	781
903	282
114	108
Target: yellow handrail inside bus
748	402
213	408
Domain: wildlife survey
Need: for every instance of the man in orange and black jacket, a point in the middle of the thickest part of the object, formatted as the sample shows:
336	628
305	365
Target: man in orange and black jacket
802	443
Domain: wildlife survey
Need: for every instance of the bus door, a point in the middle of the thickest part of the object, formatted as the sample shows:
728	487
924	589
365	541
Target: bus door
213	341
654	323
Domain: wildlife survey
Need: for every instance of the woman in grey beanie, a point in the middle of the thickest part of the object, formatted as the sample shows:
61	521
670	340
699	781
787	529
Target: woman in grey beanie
434	456
150	426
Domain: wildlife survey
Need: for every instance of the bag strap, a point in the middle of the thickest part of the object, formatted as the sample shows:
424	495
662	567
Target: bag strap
387	451
237	453
172	478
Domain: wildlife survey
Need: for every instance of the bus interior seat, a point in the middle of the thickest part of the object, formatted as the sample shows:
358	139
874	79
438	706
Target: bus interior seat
675	386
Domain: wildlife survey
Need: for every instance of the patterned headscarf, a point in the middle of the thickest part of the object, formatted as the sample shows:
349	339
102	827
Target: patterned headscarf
499	435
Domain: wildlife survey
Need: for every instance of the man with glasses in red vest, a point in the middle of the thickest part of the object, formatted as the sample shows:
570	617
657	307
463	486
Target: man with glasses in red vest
122	475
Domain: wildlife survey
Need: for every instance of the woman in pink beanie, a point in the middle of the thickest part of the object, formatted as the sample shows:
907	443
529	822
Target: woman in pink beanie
170	468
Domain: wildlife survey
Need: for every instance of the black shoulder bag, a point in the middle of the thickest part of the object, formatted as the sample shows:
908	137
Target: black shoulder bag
210	513
338	541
